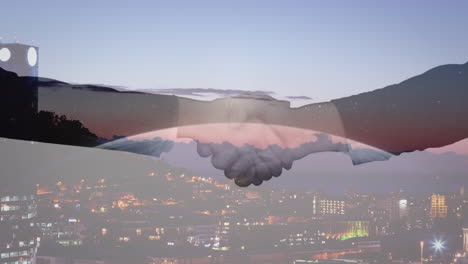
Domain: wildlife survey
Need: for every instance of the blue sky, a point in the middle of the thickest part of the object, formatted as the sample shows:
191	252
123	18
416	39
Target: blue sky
322	49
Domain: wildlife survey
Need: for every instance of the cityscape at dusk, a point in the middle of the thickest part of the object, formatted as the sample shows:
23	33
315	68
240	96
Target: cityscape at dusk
233	132
163	214
205	217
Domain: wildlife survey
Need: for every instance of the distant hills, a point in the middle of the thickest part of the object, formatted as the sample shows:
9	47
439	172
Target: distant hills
429	110
426	111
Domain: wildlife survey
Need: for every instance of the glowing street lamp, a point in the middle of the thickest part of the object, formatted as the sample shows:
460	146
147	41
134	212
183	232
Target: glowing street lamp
421	244
438	245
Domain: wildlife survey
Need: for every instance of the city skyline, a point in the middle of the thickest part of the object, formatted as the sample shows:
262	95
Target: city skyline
215	218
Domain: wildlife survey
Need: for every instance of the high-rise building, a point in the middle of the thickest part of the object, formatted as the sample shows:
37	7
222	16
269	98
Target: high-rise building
403	208
223	233
379	221
396	205
332	207
438	207
19	238
18	103
19	58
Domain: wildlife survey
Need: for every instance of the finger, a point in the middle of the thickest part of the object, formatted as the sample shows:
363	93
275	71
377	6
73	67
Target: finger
225	156
204	150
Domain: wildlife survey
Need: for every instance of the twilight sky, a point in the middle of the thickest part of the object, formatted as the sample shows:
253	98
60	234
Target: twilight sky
321	49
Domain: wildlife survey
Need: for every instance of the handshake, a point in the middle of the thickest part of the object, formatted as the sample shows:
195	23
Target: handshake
251	165
250	140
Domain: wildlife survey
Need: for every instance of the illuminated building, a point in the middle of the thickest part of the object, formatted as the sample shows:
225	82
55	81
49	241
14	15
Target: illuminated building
392	206
332	207
379	221
19	58
398	205
223	234
302	235
403	207
65	232
202	235
19	238
345	229
465	240
438	206
315	202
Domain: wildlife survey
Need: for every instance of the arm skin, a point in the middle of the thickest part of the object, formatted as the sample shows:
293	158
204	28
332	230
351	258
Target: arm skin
426	111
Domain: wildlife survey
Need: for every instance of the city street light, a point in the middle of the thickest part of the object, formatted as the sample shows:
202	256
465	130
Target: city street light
438	245
422	251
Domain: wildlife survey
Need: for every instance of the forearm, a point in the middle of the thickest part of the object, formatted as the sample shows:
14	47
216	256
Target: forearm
109	114
426	111
402	125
